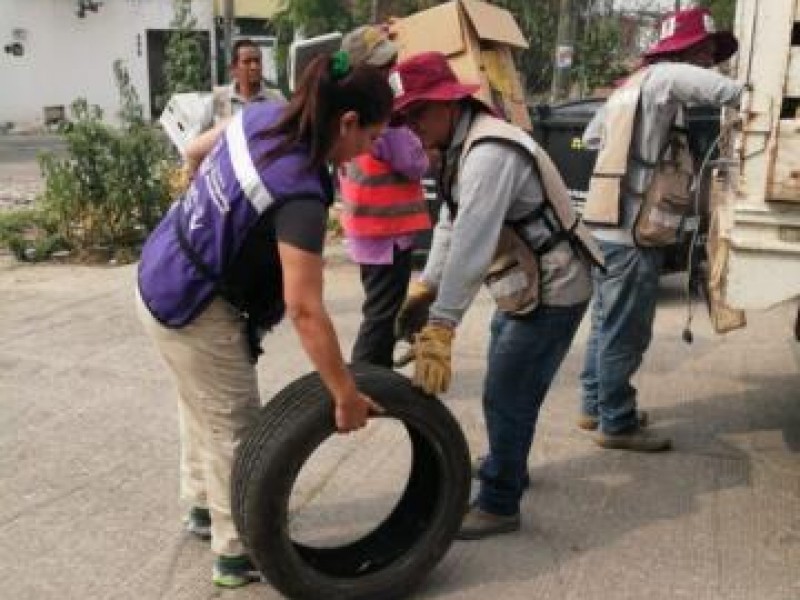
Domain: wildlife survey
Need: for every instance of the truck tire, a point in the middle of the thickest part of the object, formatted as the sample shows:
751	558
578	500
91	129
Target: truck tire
392	559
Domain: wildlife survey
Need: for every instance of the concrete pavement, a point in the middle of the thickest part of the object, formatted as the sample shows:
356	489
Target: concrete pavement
89	446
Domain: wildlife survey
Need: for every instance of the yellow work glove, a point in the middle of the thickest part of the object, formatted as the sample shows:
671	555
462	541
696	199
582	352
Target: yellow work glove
432	349
414	313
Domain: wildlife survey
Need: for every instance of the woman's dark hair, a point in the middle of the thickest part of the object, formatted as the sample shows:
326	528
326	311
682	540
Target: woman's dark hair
311	116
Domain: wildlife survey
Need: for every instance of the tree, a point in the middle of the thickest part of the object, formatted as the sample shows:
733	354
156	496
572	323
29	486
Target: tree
314	17
723	11
308	18
598	57
185	68
539	24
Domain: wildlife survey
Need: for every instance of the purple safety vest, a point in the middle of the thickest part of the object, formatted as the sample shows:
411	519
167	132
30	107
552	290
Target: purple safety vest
189	256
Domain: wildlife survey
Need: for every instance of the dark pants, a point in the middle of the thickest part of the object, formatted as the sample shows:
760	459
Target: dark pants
524	356
385	287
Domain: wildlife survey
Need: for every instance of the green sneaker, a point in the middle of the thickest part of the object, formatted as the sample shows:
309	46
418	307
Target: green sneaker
198	522
235	571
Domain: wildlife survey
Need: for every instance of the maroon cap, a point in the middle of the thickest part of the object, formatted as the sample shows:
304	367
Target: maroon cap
685	28
426	77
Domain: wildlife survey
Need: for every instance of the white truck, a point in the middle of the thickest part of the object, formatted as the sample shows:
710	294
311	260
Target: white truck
754	237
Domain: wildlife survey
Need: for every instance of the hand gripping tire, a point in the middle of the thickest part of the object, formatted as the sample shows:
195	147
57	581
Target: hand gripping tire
391	560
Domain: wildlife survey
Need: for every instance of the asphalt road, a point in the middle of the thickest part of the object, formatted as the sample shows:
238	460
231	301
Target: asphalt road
20	177
25	148
89	447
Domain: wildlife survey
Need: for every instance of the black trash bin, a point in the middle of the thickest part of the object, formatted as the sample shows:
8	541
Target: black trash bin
559	130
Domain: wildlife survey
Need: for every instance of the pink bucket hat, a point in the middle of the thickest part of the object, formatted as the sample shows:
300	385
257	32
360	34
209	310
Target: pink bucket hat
685	28
426	77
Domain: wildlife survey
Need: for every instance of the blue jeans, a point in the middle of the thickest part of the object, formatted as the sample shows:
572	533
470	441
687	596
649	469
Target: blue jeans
623	309
524	356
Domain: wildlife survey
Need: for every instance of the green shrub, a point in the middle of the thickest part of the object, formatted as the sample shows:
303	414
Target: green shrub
111	188
30	234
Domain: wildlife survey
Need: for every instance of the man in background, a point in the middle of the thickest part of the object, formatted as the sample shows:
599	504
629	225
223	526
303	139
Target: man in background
248	86
248	83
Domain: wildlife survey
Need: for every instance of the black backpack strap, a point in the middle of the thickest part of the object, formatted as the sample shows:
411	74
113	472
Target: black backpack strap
444	186
183	242
544	213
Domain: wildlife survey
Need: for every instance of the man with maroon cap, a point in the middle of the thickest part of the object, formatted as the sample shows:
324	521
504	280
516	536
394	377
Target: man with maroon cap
638	196
496	182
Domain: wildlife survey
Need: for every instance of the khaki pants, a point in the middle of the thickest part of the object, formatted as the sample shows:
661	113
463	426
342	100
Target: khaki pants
217	402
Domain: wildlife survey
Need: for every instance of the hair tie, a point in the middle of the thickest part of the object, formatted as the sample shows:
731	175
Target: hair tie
340	64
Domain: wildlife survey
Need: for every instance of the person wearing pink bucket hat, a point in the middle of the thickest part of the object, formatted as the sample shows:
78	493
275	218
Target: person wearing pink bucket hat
500	192
689	29
638	197
427	77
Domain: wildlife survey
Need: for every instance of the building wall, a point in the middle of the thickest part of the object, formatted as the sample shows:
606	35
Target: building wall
66	57
253	9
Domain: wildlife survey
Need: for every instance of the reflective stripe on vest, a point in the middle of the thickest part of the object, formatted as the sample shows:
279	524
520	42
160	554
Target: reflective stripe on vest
377	201
244	168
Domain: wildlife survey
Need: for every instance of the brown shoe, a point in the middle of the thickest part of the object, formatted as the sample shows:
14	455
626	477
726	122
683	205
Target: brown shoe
478	524
591	422
637	439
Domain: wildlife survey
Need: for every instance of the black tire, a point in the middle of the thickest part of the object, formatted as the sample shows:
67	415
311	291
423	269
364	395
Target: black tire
392	559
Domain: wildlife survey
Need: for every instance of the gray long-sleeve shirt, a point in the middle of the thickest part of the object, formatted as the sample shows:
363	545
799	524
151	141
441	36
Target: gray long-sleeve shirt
667	88
495	183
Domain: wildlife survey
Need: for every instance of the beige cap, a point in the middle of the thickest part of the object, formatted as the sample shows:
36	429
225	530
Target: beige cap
368	44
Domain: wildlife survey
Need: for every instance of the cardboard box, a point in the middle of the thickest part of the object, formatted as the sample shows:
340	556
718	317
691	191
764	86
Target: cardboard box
477	39
186	116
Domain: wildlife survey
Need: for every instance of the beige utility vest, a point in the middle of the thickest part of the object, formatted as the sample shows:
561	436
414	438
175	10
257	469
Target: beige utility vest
514	278
556	195
667	198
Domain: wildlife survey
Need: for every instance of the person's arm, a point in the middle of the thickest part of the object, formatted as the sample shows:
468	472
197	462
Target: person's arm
300	233
402	150
199	147
440	247
692	85
489	182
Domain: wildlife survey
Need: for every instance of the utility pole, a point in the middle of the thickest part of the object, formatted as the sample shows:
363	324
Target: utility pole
228	13
562	63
